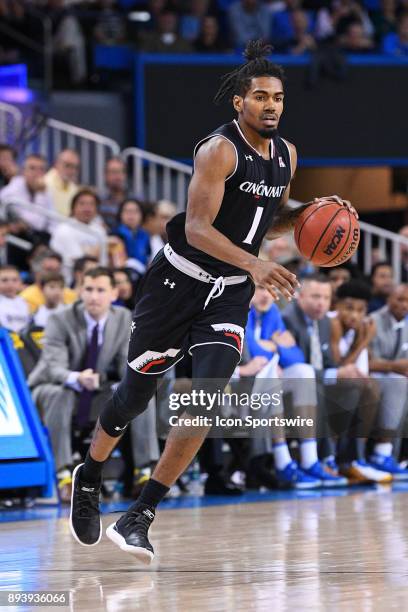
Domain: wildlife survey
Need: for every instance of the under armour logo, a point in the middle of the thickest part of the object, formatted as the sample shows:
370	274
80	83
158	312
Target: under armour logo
132	327
171	285
249	157
148	513
282	163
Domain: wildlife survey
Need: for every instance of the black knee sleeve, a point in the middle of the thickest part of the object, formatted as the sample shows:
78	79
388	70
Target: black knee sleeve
213	366
128	401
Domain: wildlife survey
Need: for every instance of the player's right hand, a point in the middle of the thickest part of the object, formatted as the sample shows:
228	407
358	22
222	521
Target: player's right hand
275	278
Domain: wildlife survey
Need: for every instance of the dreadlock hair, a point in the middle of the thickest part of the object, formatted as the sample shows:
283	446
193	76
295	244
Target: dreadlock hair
238	81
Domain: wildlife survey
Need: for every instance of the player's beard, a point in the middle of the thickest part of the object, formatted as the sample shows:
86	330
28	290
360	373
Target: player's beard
267	133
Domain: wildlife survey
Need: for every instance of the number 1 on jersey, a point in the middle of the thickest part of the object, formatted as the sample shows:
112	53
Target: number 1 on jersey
254	226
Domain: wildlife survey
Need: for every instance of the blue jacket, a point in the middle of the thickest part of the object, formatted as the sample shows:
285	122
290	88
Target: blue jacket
271	322
137	243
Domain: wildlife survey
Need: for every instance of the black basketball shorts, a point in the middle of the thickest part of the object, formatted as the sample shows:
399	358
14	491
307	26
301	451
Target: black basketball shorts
170	318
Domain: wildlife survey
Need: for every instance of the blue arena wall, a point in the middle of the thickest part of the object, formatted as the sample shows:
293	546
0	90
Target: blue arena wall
25	457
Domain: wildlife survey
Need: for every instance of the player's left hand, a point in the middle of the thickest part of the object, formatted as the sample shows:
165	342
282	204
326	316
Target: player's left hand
335	198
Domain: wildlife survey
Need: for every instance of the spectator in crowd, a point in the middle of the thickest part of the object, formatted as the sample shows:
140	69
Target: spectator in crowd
337	276
8	164
29	189
307	320
156	225
45	262
352	38
351	334
191	21
62	180
4	257
302	41
52	286
396	44
85	353
165	39
115	190
13	15
82	265
382	282
267	336
333	20
209	39
14	313
404	254
248	19
389	366
110	26
281	250
385	19
69	45
82	234
154	8
135	238
124	285
292	27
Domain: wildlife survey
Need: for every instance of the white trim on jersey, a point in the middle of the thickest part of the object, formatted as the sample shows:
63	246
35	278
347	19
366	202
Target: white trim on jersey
249	144
139	361
213	342
213	136
290	157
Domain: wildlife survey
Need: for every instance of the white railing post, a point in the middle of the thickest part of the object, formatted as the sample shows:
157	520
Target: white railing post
385	237
165	178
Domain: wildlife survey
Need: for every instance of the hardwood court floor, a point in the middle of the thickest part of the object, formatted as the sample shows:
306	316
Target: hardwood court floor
322	554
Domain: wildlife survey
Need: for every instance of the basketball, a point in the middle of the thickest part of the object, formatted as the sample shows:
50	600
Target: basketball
327	234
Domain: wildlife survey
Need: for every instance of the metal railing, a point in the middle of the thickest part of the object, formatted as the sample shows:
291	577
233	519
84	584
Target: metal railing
154	177
11	123
93	148
7	204
388	244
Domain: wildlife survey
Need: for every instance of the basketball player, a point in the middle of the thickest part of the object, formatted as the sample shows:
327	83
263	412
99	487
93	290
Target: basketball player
198	289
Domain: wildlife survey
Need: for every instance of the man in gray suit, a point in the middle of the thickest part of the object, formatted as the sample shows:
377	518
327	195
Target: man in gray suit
389	366
85	353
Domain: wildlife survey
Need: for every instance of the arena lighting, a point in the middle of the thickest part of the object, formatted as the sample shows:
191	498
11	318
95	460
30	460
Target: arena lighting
142	16
16	95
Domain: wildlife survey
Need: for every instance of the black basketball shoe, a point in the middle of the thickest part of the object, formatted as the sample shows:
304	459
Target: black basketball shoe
130	532
85	519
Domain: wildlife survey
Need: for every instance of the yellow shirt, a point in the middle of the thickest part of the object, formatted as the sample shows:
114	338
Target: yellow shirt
61	193
34	297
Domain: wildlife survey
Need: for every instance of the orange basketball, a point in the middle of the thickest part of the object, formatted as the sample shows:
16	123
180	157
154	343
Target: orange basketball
327	234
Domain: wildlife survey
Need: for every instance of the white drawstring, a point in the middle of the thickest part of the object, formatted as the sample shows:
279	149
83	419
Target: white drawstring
219	285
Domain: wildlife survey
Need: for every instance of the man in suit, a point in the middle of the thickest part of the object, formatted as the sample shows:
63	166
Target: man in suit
339	388
85	353
389	366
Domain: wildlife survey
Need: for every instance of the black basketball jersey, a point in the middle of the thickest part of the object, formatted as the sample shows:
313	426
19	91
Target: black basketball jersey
252	194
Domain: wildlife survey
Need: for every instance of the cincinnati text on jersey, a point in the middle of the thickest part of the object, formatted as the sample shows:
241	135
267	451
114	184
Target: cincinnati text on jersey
261	189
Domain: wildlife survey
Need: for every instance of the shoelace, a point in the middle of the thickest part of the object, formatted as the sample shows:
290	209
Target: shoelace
219	286
87	503
136	518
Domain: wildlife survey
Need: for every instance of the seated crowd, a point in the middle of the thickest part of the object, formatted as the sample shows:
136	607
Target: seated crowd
293	27
339	351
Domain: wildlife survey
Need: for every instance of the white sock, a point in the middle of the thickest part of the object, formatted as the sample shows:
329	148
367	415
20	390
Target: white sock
281	455
308	453
329	458
383	448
